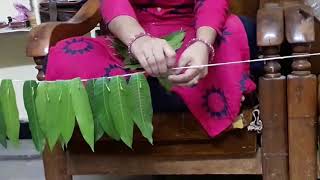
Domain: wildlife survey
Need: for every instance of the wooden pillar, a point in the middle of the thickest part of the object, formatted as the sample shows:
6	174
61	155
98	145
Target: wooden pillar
55	164
272	92
302	96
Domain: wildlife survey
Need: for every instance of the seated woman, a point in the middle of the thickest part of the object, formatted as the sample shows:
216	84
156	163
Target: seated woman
213	35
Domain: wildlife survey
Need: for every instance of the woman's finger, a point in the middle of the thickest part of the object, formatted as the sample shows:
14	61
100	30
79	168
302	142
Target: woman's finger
170	55
160	59
191	83
143	62
185	77
151	62
183	62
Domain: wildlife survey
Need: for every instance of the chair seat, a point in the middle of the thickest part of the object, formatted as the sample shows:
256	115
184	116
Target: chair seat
176	135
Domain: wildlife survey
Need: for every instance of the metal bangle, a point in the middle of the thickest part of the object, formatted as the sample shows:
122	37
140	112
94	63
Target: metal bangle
209	46
136	37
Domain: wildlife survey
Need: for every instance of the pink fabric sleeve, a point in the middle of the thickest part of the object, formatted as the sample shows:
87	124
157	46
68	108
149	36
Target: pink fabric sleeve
212	13
114	8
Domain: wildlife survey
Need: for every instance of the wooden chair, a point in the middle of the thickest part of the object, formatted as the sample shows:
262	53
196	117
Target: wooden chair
181	146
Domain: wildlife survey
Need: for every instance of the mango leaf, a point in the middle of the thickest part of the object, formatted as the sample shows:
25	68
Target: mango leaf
101	108
141	105
82	109
29	96
49	111
175	40
10	111
42	107
165	83
67	116
3	135
98	130
120	109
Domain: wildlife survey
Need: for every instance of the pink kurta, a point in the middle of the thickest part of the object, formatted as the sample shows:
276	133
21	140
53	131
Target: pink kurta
215	100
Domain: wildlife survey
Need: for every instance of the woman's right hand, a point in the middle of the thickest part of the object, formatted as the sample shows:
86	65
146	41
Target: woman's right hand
155	55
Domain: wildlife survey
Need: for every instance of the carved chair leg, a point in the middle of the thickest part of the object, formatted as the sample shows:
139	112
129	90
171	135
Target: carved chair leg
302	95
272	92
55	164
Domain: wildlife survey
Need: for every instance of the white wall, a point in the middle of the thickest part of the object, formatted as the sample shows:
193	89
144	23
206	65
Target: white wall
7	9
15	65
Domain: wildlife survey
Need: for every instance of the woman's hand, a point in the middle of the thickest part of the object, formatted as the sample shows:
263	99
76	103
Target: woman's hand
196	54
155	55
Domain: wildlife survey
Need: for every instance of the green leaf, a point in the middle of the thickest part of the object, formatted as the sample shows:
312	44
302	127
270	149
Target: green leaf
120	110
98	130
141	105
3	134
66	115
101	108
49	111
82	109
175	39
29	96
42	107
133	67
10	111
165	83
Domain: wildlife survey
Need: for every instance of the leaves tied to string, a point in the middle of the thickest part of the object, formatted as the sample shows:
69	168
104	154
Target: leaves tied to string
29	96
101	108
9	113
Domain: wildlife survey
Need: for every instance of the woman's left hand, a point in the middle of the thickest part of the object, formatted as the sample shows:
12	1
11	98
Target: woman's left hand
196	54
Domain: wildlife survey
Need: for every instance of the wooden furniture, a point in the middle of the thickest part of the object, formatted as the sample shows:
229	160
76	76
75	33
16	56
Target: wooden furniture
181	147
270	36
302	94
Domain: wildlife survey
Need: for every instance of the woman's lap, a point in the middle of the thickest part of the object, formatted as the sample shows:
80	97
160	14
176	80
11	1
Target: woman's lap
215	101
89	53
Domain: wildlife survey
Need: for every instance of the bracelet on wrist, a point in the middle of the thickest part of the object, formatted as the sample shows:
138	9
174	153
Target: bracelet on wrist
209	46
134	39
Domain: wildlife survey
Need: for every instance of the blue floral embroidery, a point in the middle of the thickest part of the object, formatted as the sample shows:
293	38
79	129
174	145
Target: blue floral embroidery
223	37
243	81
111	68
69	50
213	113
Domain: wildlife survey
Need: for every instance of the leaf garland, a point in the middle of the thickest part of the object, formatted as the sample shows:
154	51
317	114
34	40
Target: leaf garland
67	115
3	134
83	112
9	111
54	107
98	130
48	109
102	108
29	96
120	110
141	105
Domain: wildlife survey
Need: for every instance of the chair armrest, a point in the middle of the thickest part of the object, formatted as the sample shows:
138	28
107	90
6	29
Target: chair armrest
42	37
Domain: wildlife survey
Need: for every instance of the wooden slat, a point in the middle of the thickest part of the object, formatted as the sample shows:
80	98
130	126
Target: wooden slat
236	145
181	127
80	164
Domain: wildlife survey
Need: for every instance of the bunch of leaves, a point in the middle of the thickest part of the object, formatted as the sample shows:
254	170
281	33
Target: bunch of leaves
110	107
118	105
9	115
54	108
175	40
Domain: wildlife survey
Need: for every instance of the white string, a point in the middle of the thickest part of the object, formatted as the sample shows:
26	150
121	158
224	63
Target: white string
200	66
